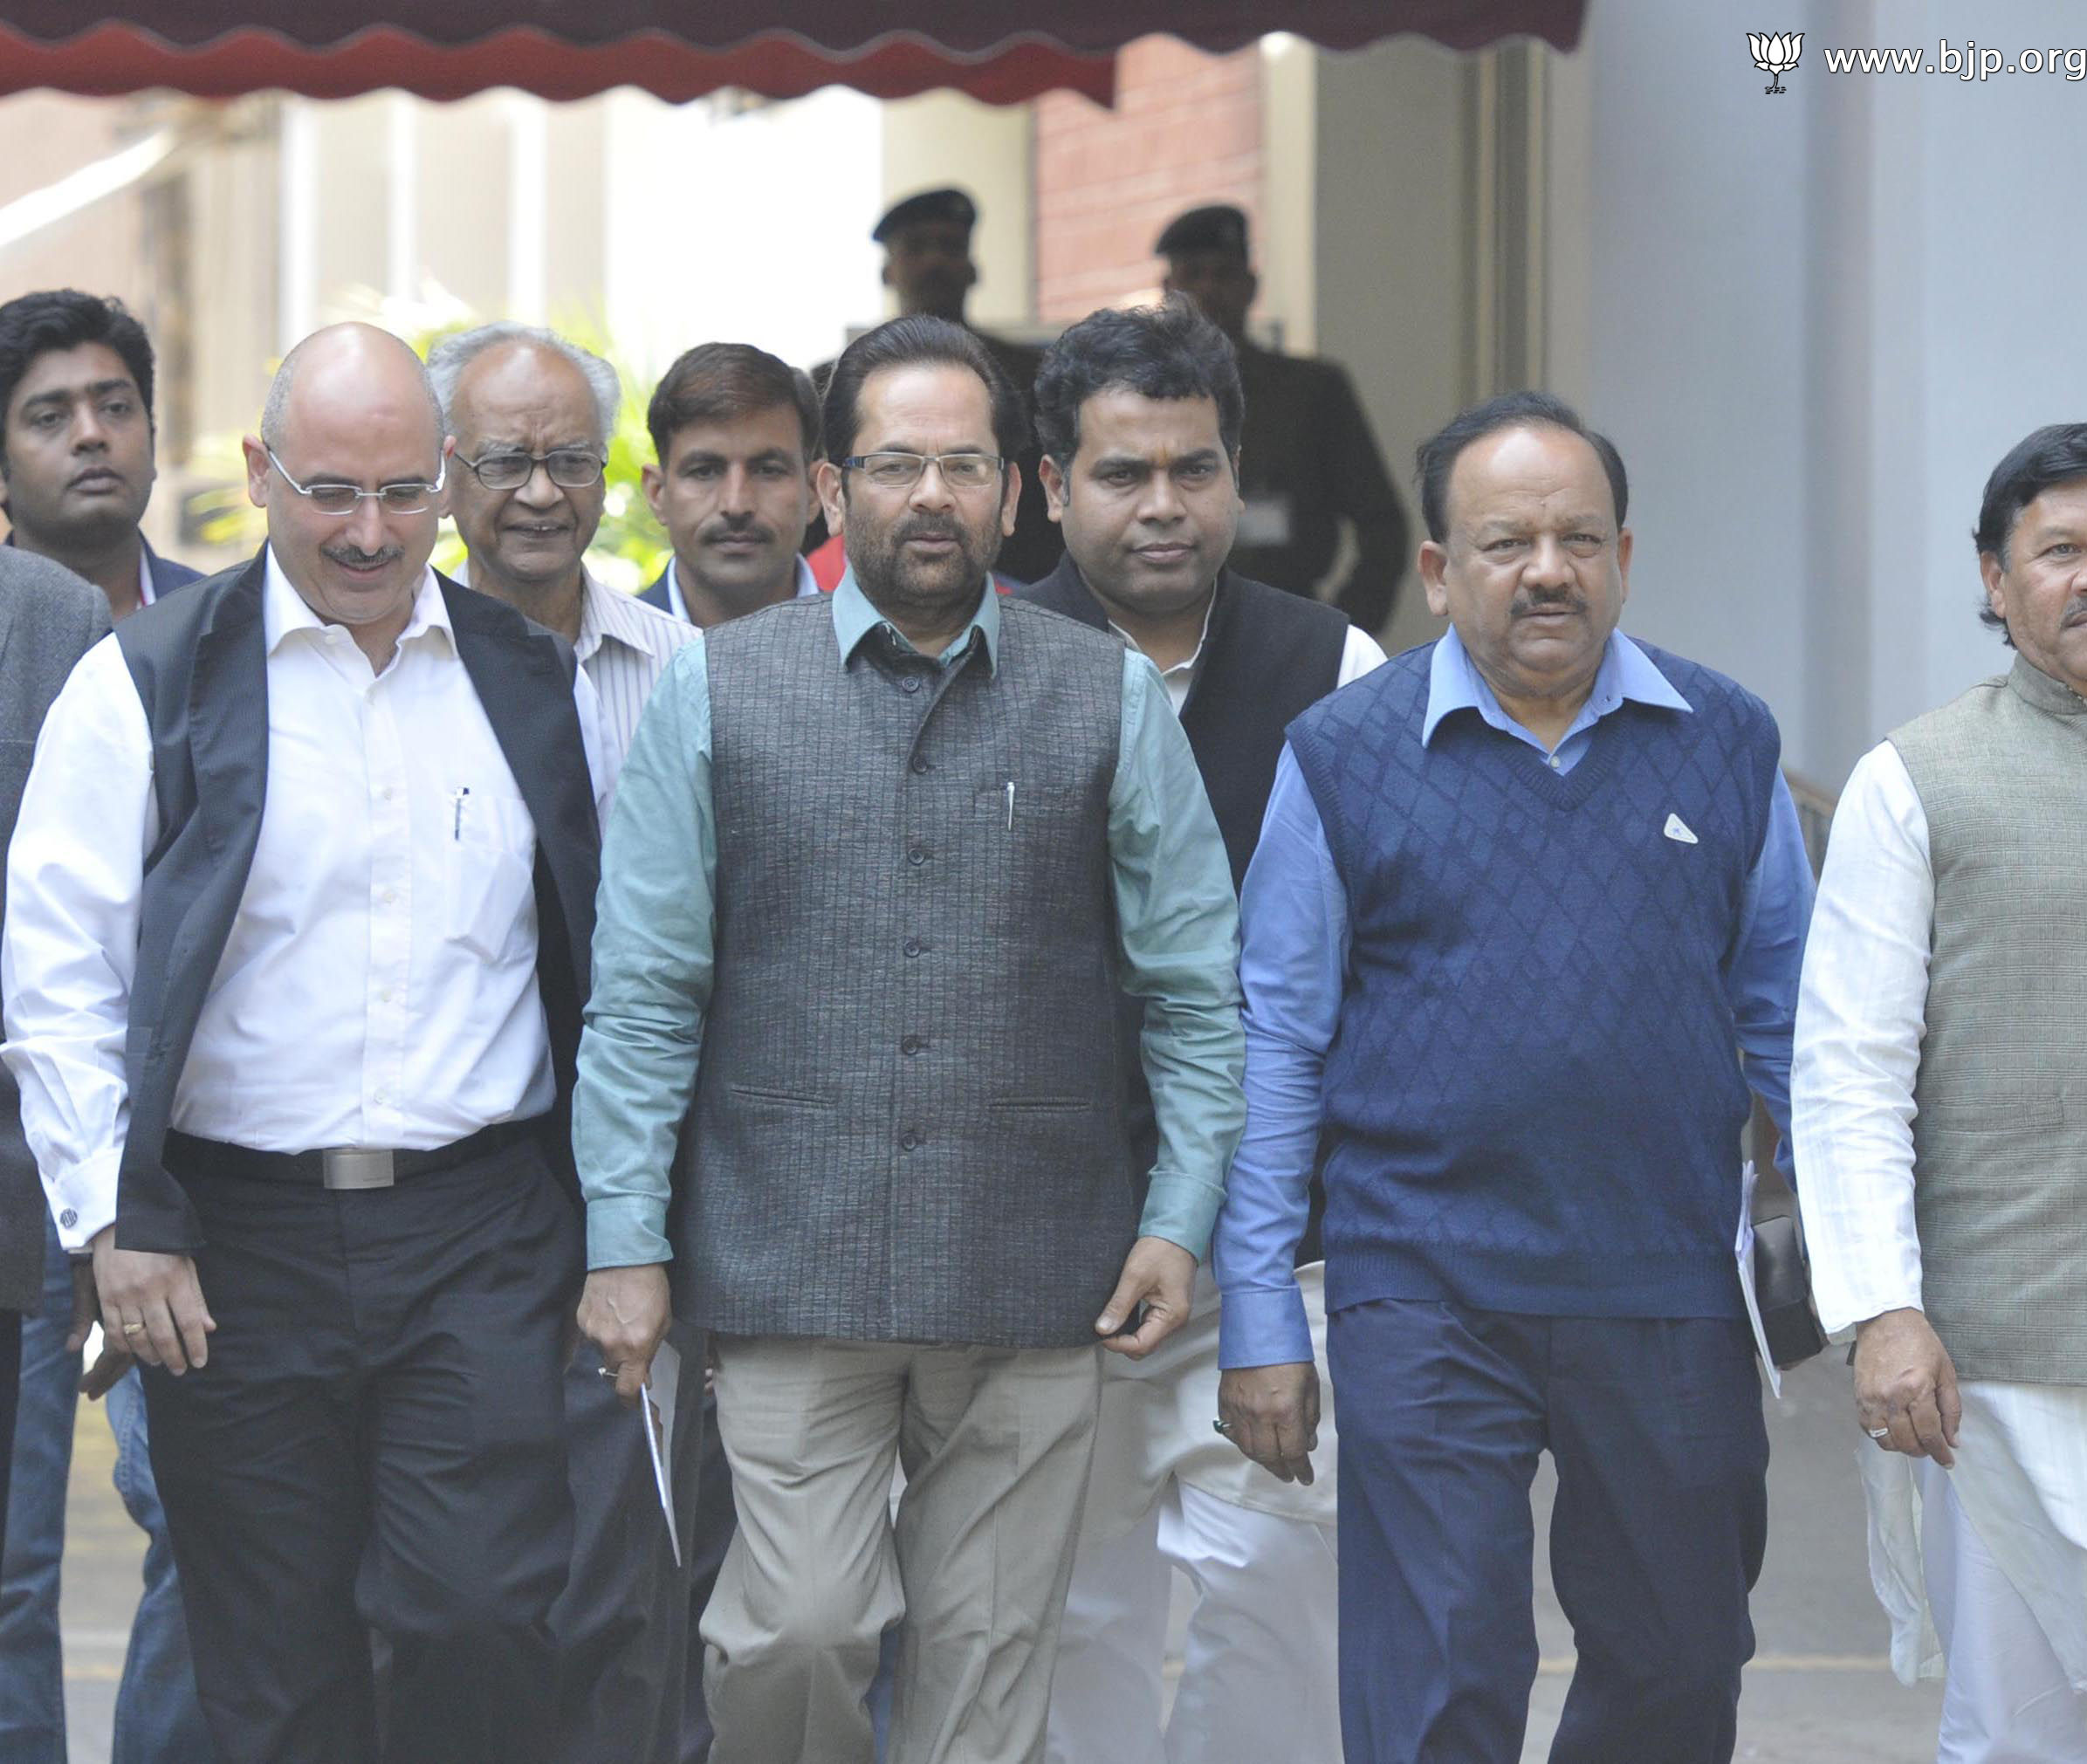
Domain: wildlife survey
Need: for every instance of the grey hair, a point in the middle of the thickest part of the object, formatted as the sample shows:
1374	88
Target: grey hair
448	359
277	407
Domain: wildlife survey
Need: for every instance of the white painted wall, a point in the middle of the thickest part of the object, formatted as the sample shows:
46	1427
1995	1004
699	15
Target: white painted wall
1813	322
1680	216
1972	324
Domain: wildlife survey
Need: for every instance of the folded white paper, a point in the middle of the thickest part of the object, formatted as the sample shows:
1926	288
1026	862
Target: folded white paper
656	1413
1744	1248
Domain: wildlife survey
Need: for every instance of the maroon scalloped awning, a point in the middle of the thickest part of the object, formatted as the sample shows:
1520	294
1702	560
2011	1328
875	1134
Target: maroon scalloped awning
999	51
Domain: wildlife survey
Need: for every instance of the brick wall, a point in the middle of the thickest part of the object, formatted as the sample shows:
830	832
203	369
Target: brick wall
1186	129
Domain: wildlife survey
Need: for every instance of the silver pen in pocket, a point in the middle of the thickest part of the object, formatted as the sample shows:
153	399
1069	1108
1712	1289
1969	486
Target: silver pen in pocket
1011	804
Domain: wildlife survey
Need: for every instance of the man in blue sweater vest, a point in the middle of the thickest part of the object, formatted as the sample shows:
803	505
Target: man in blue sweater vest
1524	924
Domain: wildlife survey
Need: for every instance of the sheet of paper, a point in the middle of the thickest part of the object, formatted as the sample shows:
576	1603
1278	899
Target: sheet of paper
1744	1249
656	1413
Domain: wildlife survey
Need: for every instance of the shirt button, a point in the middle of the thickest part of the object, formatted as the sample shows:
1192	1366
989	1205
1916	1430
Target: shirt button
1555	762
911	682
909	1141
388	793
68	1218
390	895
921	765
385	996
912	1044
912	946
917	855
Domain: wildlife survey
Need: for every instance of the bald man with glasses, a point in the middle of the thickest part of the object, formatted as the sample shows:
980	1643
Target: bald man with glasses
295	1059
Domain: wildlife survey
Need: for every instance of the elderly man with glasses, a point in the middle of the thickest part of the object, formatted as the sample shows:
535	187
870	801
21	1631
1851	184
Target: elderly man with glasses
531	414
298	934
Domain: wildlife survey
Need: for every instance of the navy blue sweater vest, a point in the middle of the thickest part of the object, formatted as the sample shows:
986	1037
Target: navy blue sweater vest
1534	1095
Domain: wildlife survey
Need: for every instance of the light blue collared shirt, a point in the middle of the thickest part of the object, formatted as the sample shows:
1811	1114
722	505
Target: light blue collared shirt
1293	965
655	931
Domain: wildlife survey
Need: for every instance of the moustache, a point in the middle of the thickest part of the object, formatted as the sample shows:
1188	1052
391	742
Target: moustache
927	527
1527	604
733	530
355	558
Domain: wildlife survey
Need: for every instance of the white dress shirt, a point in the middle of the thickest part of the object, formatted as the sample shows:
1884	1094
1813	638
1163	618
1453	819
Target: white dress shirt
1862	1011
625	646
379	986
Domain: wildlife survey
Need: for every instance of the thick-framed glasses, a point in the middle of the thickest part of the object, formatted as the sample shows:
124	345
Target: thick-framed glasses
570	468
410	497
902	470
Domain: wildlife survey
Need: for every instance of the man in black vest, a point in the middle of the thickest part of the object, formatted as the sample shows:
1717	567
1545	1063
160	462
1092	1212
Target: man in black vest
294	1064
1139	415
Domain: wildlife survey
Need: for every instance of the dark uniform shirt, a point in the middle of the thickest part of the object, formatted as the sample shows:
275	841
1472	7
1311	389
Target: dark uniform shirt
1307	461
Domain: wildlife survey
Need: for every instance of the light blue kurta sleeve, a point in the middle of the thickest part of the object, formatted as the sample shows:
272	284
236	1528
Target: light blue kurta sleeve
1294	926
656	926
1179	925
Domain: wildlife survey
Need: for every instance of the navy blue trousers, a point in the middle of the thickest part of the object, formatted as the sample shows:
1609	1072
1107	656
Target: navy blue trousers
1657	1534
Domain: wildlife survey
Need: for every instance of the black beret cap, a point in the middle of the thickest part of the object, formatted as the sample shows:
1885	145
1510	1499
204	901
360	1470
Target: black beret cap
928	206
1218	228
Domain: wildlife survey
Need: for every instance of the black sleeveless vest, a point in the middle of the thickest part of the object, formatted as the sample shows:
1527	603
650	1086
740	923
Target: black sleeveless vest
198	662
1268	657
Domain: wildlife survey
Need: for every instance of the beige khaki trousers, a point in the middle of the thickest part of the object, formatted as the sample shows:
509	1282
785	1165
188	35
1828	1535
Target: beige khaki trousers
995	1445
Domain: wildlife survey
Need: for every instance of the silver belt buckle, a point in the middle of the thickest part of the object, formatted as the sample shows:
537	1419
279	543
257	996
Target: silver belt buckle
357	1166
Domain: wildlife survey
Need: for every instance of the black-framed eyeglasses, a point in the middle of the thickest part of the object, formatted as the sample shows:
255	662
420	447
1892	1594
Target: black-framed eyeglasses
412	497
902	470
570	468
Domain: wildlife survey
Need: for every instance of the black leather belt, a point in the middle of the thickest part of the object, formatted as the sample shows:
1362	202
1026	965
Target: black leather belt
340	1166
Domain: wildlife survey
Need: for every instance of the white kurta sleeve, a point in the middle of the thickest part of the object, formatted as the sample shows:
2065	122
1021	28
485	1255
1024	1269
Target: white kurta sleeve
1861	1015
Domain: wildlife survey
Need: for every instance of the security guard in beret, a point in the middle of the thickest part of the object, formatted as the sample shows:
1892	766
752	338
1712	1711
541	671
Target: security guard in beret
927	265
1307	460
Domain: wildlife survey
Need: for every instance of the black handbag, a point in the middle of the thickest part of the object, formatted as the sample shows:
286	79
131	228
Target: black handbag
1782	1288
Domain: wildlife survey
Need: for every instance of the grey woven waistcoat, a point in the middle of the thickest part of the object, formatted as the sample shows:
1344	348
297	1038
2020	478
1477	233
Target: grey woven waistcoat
908	1121
2000	1135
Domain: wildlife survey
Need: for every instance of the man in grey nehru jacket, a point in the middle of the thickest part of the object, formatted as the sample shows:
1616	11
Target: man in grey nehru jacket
886	858
1941	1129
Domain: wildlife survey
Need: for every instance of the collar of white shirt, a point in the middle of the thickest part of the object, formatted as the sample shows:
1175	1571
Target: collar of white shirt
1183	671
283	610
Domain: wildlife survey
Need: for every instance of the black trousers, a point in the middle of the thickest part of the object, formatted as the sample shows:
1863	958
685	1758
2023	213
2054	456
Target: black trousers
622	1625
377	1444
